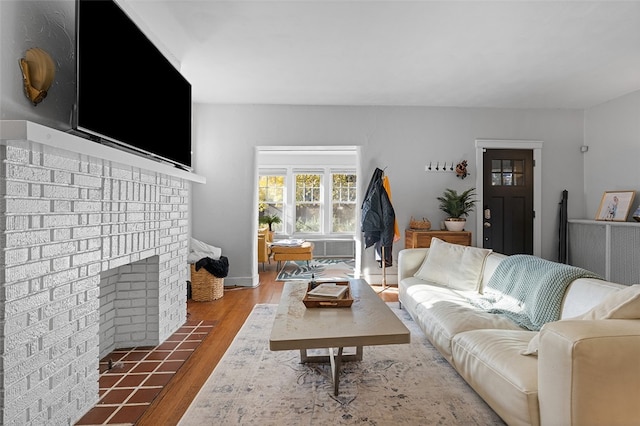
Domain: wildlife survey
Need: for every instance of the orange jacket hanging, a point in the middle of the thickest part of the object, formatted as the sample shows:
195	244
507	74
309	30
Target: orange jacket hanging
396	229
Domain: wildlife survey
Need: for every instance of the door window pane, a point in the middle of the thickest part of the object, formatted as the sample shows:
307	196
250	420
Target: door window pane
518	179
507	172
496	179
518	166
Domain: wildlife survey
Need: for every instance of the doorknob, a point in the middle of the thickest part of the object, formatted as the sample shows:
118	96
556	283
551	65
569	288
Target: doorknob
487	225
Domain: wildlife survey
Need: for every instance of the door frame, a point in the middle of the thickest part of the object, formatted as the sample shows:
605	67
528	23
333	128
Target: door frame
536	147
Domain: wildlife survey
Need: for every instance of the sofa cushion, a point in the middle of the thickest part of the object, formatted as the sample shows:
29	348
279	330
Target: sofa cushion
453	265
622	304
414	291
585	293
443	312
488	360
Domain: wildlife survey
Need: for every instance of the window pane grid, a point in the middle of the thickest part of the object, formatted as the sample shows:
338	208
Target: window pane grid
308	203
507	173
271	190
344	202
323	202
308	188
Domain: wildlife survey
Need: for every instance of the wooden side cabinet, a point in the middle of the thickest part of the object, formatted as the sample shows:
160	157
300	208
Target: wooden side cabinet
415	239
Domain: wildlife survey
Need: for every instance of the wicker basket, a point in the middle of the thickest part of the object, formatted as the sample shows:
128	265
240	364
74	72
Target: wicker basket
204	286
422	225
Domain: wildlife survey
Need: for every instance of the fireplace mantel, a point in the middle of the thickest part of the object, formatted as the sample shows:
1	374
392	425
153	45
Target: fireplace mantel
33	132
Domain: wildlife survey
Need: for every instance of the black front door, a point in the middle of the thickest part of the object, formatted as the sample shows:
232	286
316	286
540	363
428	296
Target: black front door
508	200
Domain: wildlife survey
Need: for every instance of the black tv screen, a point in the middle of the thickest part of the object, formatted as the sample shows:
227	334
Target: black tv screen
128	93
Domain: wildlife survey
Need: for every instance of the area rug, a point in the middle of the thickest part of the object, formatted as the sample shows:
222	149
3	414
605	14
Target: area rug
406	384
322	269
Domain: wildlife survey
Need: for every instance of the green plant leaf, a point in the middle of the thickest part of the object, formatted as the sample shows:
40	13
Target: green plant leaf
457	205
269	219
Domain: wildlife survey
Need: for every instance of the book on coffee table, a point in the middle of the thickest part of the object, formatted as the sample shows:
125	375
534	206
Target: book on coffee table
328	291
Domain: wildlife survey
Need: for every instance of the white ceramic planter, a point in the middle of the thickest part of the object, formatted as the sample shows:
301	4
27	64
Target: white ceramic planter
455	224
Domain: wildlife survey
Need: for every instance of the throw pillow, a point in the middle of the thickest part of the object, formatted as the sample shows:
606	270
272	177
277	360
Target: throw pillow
622	304
453	265
532	347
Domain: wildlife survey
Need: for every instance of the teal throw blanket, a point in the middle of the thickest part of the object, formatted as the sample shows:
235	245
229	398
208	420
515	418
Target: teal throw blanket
529	290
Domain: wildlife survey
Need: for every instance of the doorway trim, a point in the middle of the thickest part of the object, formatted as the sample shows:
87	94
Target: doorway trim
536	147
306	153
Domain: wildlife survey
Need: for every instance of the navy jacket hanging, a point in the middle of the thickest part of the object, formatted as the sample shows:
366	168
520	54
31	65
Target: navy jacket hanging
378	217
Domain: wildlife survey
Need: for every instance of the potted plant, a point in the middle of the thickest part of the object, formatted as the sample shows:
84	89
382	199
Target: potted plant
457	206
269	219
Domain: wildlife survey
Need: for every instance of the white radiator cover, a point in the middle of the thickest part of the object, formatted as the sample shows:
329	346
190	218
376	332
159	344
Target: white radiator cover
333	247
606	248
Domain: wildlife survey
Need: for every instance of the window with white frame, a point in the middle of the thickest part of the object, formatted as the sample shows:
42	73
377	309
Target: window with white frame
343	202
271	197
325	202
322	200
312	190
308	202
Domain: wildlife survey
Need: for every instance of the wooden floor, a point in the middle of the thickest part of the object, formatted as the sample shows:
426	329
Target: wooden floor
229	314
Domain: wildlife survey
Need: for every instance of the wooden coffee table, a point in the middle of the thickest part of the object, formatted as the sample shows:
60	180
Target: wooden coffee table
368	322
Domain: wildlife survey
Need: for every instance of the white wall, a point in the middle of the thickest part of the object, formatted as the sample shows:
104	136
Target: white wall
612	132
49	25
402	139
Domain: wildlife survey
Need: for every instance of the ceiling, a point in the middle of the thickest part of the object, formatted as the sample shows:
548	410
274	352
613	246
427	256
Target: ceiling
511	54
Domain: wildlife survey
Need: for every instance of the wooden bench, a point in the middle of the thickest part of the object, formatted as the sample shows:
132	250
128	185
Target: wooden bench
284	253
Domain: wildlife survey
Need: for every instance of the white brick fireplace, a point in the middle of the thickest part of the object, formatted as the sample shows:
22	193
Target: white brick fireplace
95	242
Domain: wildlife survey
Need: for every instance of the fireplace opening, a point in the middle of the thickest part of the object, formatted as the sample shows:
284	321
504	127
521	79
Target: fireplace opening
129	313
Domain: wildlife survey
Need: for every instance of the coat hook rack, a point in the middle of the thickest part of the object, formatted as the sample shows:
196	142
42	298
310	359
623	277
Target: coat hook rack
440	166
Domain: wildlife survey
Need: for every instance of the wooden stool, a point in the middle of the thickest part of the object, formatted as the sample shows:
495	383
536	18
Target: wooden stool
284	253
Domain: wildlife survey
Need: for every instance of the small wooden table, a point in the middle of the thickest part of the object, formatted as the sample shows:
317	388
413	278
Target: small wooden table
414	238
368	321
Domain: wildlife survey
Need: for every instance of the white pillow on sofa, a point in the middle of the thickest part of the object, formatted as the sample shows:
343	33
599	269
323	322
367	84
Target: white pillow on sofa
453	265
622	304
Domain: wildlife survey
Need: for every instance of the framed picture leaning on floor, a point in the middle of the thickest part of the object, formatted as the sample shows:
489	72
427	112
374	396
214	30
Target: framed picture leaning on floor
615	205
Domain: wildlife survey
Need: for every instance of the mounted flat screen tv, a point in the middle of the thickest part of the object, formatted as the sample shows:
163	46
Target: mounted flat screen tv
128	93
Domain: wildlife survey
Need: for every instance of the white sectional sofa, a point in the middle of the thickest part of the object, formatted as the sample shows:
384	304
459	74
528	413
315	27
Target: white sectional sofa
580	369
